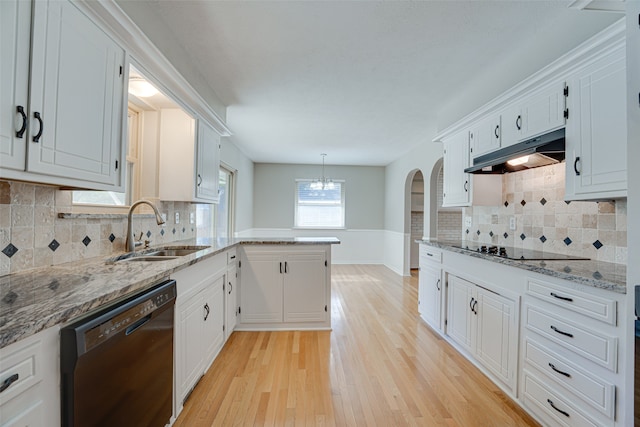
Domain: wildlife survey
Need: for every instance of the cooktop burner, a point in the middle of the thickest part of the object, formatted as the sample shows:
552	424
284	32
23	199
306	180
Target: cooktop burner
518	253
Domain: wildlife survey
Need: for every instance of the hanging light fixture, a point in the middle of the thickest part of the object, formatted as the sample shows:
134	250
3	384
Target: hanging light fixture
323	183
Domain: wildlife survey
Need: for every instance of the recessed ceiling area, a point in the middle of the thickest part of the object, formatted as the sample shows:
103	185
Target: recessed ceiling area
364	82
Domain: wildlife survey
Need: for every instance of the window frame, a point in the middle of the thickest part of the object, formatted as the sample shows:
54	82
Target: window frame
343	205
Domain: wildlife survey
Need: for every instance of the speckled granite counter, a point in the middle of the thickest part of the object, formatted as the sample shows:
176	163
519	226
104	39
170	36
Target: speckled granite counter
37	299
604	275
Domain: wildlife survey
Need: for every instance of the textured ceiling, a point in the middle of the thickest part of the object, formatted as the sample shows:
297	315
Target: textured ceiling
361	81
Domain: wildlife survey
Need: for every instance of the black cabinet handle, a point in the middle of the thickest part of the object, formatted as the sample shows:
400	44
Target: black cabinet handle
280	268
230	288
438	284
466	186
550	402
566	334
575	165
471	304
553	294
519	122
199	180
475	304
38	117
286	267
20	132
233	257
495	131
206	308
7	383
552	366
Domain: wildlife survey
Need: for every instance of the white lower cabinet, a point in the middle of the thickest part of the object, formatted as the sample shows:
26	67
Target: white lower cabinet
284	289
231	294
31	368
430	287
199	322
485	324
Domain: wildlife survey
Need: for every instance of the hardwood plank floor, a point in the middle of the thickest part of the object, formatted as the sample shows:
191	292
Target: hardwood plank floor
379	366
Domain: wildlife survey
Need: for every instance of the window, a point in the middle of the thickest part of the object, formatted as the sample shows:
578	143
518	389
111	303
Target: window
217	220
112	198
319	208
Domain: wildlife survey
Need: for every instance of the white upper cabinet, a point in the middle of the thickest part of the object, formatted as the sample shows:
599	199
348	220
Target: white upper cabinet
534	114
75	112
485	135
189	162
208	163
597	130
456	183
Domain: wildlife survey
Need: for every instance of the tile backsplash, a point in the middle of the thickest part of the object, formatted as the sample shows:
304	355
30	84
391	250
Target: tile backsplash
544	221
36	229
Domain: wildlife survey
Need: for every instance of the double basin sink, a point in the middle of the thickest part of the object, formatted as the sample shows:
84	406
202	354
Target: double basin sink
159	254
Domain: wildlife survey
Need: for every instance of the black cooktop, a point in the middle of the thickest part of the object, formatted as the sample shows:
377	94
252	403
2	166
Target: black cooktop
518	253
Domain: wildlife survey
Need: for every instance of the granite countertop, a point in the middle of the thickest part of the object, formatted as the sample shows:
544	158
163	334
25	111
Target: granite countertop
34	300
604	275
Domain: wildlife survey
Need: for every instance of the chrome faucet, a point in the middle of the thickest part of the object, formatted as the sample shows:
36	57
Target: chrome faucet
129	242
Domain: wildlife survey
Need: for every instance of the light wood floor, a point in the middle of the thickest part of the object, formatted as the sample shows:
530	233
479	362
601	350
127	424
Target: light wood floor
379	366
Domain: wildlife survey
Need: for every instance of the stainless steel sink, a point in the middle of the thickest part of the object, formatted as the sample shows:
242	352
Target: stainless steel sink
149	258
170	252
158	254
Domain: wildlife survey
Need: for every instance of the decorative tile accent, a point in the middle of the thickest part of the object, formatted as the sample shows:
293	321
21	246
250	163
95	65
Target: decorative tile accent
467	231
567	241
10	250
543	201
148	233
162	232
506	204
478	232
522	236
86	240
505	235
173	231
598	244
491	233
54	245
567	201
112	237
523	202
543	239
184	229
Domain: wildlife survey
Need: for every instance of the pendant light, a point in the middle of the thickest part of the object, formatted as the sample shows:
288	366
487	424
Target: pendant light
323	183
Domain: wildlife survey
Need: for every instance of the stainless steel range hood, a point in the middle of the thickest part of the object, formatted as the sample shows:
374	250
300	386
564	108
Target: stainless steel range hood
542	150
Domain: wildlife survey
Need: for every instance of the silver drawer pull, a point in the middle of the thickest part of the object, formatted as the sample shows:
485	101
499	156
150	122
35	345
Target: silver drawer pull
550	402
566	334
553	294
551	365
7	383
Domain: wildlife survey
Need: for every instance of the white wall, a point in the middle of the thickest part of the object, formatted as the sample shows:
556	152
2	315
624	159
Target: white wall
397	201
237	160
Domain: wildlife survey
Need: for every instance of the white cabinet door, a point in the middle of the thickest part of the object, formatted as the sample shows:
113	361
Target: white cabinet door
429	293
176	170
456	183
597	130
208	163
231	301
77	97
305	287
460	326
189	344
15	37
262	287
213	319
512	124
496	343
485	135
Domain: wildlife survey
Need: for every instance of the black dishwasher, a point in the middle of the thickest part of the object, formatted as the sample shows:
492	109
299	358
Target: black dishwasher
117	364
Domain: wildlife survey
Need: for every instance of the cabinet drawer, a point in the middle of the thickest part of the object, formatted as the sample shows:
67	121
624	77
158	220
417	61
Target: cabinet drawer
597	308
430	254
595	346
593	390
547	403
21	368
232	256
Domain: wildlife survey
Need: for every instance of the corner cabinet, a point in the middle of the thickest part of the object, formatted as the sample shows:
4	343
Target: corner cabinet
285	287
69	131
189	158
596	165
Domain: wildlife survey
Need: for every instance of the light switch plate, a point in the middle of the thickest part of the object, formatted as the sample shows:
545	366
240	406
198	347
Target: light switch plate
177	217
192	217
468	221
512	223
